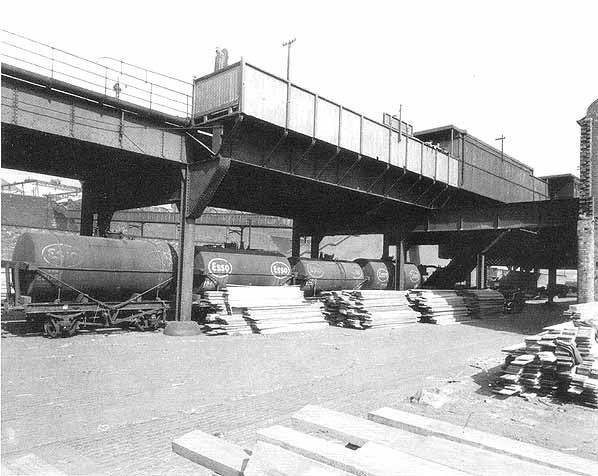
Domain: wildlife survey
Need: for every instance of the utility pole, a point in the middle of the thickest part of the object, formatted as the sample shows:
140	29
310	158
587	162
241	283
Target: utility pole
400	119
502	143
288	45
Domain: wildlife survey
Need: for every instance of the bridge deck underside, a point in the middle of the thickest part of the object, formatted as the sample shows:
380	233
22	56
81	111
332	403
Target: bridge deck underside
543	248
130	179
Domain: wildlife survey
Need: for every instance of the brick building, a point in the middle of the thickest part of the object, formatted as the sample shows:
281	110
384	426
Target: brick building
587	231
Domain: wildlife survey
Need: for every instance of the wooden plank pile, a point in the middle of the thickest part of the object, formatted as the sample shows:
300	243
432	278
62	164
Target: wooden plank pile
219	319
484	303
366	309
584	314
275	309
561	361
439	306
389	442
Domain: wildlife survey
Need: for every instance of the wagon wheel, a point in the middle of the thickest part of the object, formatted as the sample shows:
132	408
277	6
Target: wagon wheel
153	322
74	329
141	323
52	328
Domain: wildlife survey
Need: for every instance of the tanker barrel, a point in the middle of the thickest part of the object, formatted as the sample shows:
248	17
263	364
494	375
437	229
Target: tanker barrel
380	274
217	267
106	269
316	276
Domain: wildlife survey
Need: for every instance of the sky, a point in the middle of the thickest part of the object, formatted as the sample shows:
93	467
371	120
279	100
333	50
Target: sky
525	69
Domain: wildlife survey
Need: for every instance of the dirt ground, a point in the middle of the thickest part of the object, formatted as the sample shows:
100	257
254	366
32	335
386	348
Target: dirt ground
114	402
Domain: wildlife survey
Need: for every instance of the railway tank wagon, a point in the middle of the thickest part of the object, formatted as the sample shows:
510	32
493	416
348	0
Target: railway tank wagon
316	276
217	267
380	274
110	268
72	280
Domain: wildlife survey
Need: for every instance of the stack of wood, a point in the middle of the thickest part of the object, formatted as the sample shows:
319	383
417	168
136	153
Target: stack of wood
582	312
275	309
560	361
387	442
484	303
439	306
219	319
366	309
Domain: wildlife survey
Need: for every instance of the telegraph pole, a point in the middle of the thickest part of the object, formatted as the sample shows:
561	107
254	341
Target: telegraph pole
288	45
502	143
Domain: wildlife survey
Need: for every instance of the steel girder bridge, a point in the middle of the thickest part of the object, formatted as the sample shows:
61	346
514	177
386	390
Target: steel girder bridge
240	139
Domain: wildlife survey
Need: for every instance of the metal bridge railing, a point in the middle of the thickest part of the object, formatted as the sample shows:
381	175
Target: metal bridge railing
108	76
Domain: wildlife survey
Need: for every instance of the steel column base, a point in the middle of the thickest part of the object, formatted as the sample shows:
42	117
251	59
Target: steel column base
182	328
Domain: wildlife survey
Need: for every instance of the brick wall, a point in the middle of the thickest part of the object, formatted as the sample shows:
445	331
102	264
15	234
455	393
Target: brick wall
586	225
28	211
593	113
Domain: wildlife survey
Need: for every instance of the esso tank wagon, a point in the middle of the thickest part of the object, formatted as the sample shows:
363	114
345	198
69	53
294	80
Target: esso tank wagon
69	281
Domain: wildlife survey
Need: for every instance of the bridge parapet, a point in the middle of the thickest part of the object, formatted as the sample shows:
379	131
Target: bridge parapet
245	89
110	77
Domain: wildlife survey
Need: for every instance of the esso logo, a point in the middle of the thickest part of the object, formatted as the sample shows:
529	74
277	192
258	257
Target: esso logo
220	267
414	276
382	275
357	273
160	261
280	270
314	271
61	255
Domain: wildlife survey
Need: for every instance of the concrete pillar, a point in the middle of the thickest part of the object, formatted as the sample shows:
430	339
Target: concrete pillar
551	289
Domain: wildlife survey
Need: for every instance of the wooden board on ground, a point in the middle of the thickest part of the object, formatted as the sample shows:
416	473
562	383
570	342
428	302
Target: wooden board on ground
359	431
227	459
268	459
29	464
427	426
387	461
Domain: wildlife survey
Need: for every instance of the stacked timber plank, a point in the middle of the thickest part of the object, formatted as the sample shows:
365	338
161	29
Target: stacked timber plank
366	309
561	361
439	306
219	319
275	309
226	324
388	442
483	303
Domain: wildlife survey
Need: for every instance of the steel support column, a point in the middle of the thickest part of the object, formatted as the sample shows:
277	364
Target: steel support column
184	296
86	211
315	246
385	246
199	182
551	289
94	201
400	266
481	272
295	241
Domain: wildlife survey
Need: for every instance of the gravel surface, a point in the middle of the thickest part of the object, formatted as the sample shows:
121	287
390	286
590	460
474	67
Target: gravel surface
113	403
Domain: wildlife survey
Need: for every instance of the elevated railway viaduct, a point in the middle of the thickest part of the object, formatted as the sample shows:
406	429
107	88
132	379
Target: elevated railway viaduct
247	140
